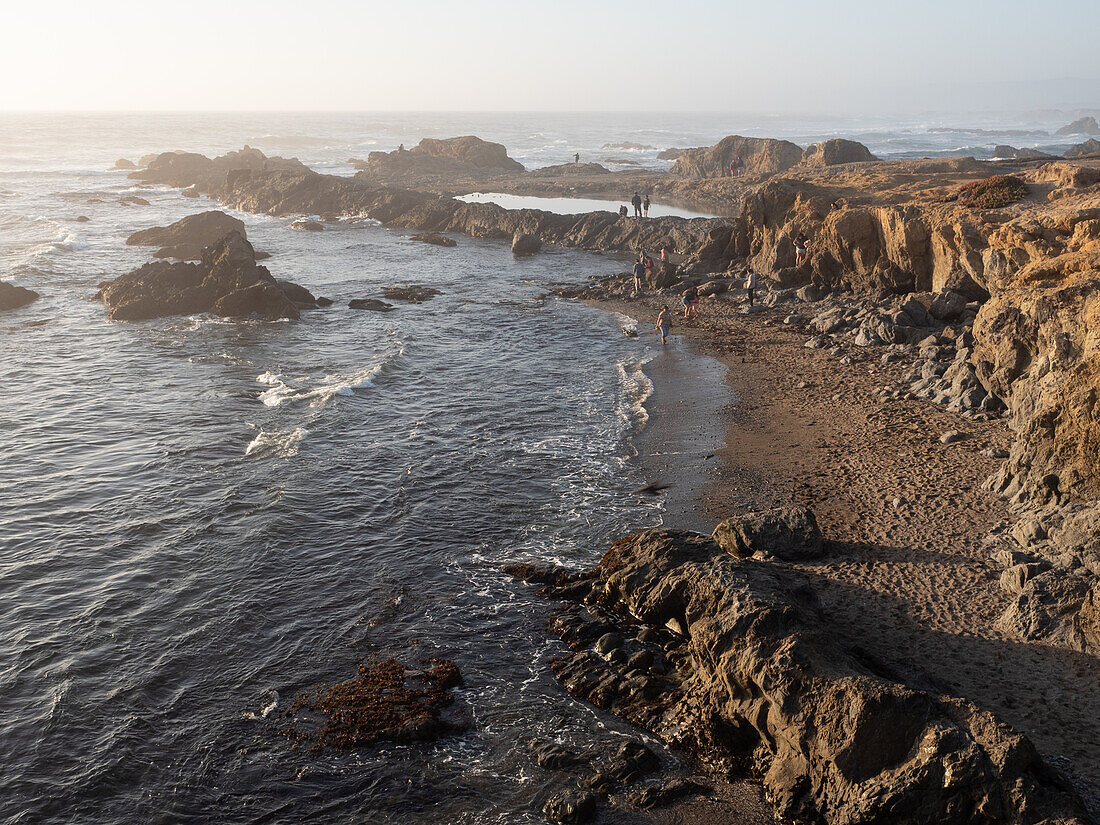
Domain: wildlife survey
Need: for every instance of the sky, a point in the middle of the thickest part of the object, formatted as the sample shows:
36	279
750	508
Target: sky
782	57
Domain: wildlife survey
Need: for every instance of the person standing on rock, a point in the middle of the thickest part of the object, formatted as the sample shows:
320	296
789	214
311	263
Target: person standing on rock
750	286
636	202
664	324
639	274
645	206
800	243
577	157
731	168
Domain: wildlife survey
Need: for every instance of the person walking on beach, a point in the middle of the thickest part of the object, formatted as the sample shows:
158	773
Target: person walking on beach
690	301
750	286
645	206
639	273
800	249
664	324
636	202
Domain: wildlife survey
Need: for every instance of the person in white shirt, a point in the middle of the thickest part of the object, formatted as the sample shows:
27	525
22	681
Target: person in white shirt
750	286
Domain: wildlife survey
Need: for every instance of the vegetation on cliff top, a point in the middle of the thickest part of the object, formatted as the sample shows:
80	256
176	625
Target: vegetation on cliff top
991	193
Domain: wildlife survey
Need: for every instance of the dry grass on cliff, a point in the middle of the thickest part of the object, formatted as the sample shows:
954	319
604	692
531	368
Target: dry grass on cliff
991	193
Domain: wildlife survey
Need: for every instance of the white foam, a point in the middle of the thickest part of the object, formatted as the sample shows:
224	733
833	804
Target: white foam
282	444
636	389
281	392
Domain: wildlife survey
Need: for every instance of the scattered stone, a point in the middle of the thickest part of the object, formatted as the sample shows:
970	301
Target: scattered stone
658	796
608	642
553	756
951	437
414	293
994	452
571	807
817	342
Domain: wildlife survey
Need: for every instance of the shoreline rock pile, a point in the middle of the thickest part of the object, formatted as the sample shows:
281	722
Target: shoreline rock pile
732	660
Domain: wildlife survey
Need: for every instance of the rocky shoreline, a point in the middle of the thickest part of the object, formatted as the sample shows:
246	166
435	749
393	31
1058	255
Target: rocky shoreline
924	281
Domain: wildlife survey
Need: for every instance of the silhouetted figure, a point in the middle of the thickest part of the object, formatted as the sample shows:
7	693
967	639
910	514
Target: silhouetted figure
645	206
636	201
577	157
401	147
750	286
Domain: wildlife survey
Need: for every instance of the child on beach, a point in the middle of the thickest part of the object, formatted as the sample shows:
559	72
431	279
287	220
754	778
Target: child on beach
800	249
664	324
645	206
691	300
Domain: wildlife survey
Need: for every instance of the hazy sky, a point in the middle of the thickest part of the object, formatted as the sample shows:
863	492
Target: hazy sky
844	55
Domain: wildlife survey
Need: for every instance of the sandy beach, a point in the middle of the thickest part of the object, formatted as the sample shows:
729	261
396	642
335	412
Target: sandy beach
905	579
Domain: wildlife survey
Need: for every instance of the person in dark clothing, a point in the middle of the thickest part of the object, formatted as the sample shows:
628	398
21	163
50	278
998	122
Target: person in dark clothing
800	243
639	273
636	201
623	212
577	157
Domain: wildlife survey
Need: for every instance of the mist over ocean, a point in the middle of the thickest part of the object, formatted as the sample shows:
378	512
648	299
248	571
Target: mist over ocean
200	518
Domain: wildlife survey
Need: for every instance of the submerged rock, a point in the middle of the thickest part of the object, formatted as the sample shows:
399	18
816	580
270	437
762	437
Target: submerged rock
307	225
414	293
372	304
434	238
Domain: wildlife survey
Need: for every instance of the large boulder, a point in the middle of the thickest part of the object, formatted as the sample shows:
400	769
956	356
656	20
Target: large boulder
227	281
525	244
759	155
788	533
1081	126
13	297
471	150
836	151
186	238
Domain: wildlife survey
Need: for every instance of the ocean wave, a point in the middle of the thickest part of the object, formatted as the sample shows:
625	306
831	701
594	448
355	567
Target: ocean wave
636	388
280	392
281	444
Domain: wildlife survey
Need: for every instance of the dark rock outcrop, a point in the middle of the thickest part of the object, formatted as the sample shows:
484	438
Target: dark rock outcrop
1088	148
836	151
414	293
670	154
434	238
13	297
307	225
1081	126
226	282
456	155
186	238
1004	152
371	304
759	681
761	156
525	244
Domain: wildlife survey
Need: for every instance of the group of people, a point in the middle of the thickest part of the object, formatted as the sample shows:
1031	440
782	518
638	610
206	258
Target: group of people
690	300
640	204
736	167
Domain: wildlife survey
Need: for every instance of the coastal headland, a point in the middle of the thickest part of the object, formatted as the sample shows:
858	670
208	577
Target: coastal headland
898	618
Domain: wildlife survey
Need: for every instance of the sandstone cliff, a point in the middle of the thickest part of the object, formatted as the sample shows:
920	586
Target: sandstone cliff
760	156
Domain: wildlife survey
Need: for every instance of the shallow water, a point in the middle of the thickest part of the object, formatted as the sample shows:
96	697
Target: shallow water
574	206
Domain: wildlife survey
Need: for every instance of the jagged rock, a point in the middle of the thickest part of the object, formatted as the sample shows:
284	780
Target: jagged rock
434	238
1003	152
553	756
657	796
447	156
836	151
227	282
525	244
670	154
788	533
307	225
298	294
571	807
372	304
759	155
770	683
1081	126
947	306
133	200
186	238
1080	150
123	163
190	192
13	297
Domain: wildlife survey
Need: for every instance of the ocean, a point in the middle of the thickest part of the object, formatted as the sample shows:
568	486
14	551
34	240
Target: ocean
201	518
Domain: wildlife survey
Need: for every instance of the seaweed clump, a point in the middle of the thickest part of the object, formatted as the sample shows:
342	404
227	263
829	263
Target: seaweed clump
991	193
383	701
